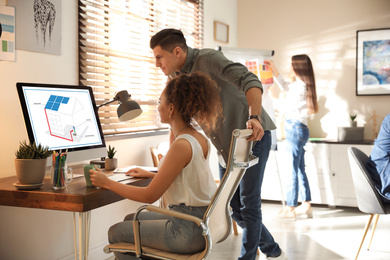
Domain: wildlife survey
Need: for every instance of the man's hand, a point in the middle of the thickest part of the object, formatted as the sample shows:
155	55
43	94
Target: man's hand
258	131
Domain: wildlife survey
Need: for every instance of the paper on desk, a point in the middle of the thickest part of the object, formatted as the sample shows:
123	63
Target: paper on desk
126	169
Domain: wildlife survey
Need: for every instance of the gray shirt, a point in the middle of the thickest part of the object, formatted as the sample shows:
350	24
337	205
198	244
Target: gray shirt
234	79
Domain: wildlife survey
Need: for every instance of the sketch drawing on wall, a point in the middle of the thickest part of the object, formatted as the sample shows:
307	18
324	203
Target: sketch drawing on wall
44	18
39	25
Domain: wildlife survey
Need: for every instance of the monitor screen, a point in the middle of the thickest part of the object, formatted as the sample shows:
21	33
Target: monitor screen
61	117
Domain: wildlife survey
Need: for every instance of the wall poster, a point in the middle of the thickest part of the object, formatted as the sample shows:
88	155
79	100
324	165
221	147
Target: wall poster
373	62
7	33
39	25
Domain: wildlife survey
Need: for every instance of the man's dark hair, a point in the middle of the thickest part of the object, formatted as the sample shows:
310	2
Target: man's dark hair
168	40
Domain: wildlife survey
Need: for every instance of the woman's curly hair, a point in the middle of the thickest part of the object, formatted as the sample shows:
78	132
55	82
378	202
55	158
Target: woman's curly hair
196	97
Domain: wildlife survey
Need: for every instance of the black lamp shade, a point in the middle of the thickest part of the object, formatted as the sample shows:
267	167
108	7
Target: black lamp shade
128	110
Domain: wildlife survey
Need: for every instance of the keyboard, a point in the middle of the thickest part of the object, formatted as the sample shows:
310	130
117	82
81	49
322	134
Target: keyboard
119	177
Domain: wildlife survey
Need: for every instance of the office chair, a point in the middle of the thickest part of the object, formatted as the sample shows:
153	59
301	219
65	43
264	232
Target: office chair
216	222
158	152
367	196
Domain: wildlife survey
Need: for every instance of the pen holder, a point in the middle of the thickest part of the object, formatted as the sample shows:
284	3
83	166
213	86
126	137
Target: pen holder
61	174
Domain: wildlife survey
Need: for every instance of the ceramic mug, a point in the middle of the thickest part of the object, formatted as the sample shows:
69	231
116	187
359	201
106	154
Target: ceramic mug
87	174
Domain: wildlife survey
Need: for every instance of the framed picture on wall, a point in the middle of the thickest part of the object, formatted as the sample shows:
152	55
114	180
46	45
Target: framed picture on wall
39	25
373	62
221	32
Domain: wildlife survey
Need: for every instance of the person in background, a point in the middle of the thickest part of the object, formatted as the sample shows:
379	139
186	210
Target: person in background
300	103
180	171
241	95
378	164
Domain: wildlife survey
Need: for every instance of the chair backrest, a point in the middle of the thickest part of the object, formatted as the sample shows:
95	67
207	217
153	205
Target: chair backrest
155	156
367	196
158	152
217	216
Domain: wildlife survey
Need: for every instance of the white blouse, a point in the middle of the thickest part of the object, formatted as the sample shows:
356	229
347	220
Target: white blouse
195	185
295	106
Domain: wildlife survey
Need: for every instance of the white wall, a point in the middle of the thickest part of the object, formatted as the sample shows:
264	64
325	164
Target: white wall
212	12
326	31
37	230
34	67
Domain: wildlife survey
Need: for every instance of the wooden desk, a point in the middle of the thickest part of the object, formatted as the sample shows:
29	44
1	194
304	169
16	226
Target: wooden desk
77	197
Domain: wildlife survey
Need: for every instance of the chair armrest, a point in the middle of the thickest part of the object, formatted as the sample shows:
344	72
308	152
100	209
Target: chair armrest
168	212
244	165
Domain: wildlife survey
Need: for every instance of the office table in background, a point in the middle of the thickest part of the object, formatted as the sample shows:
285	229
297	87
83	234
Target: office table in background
77	197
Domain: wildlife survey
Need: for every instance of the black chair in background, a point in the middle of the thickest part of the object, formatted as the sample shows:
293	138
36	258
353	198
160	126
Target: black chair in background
367	196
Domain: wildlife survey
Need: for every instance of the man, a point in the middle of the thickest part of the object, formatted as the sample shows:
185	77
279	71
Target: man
378	165
241	93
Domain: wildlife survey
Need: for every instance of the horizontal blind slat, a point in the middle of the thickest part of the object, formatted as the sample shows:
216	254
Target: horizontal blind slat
112	60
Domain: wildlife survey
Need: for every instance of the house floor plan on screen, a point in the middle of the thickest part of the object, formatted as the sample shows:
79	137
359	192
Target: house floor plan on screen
62	118
63	115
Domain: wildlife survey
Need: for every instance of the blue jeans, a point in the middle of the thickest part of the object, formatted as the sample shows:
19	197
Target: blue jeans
297	135
161	231
246	205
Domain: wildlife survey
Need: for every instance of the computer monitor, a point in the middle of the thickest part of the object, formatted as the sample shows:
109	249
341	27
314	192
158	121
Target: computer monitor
62	117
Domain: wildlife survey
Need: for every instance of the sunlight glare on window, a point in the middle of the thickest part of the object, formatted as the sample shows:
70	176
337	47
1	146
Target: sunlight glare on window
115	54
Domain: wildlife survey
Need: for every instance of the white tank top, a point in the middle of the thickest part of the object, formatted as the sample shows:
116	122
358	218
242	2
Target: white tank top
195	185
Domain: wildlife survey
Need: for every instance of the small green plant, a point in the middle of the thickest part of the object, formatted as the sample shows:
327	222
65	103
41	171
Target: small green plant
111	152
353	117
32	151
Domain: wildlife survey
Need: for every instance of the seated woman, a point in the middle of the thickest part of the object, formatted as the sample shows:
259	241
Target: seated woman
378	164
184	180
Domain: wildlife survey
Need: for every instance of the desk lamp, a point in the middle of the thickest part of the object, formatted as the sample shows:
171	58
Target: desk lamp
128	109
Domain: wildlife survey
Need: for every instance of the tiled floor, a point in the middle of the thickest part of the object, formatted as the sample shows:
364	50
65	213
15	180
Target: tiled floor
332	234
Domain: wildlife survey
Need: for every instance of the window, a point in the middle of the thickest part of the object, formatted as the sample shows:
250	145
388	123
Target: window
115	55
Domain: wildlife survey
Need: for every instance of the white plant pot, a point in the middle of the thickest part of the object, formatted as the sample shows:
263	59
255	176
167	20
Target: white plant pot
110	164
353	123
30	171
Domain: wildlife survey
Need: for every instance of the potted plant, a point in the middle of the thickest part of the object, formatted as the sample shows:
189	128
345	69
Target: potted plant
110	163
30	162
353	122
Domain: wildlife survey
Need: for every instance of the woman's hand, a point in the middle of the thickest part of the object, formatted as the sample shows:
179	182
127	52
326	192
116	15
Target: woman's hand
99	178
141	173
271	66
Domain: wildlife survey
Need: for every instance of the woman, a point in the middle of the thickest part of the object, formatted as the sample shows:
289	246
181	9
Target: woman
184	179
301	102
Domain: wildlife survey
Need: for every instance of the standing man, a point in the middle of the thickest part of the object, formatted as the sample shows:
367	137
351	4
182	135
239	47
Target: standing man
241	95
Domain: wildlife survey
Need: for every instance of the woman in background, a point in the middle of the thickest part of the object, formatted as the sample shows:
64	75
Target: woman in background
184	179
301	102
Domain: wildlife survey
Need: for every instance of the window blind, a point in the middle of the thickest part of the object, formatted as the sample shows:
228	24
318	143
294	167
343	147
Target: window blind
114	53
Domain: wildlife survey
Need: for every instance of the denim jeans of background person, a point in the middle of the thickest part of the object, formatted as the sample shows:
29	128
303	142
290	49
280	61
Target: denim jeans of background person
297	135
246	204
378	164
